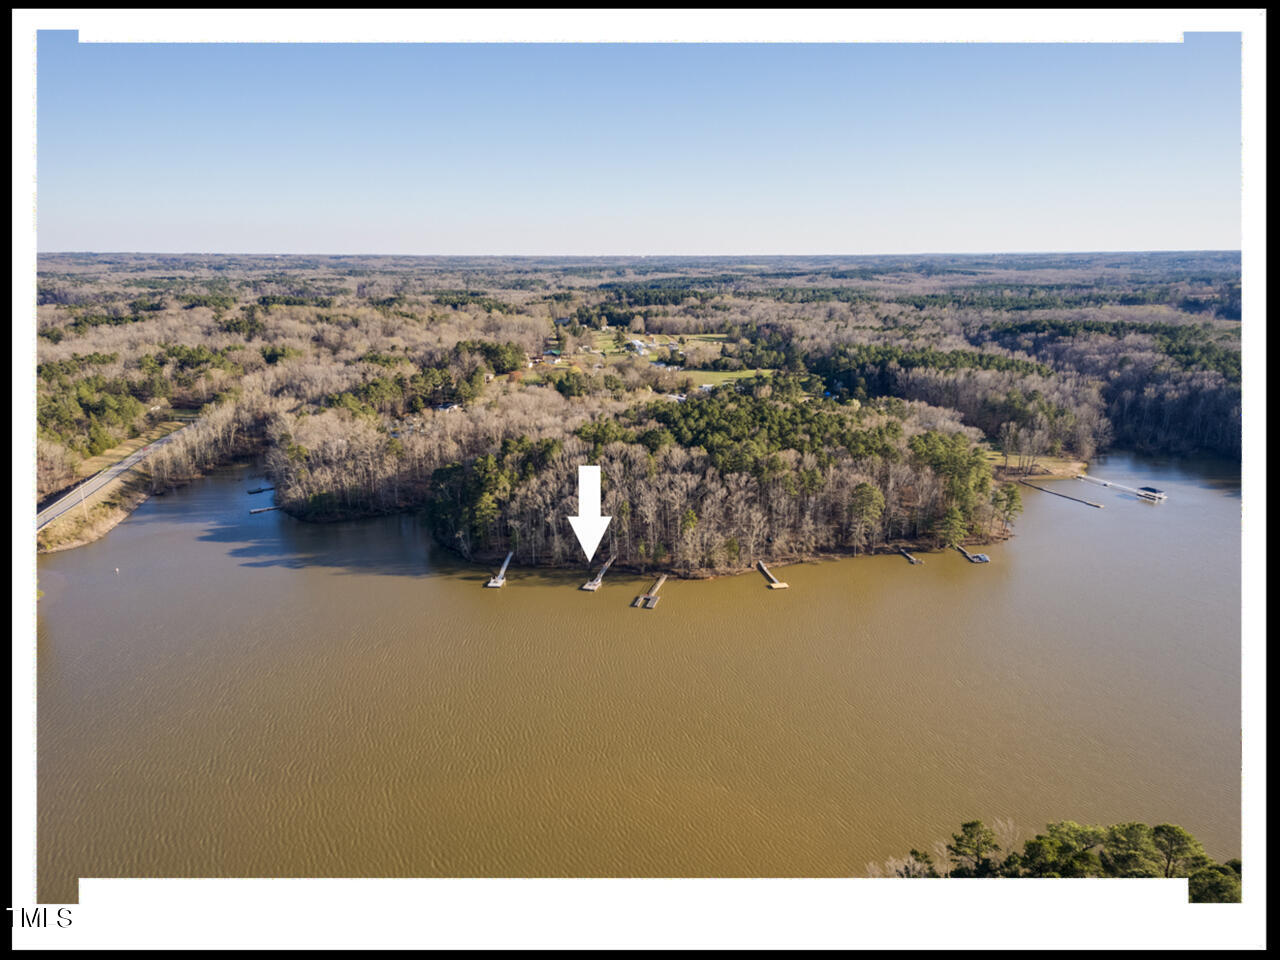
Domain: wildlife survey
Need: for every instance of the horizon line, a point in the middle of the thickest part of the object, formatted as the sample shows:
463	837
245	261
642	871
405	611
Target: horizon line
935	253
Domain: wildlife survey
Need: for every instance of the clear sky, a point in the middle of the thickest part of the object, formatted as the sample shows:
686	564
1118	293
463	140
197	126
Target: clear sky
638	149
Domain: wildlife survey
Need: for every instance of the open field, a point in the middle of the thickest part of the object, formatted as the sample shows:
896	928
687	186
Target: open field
1045	466
718	377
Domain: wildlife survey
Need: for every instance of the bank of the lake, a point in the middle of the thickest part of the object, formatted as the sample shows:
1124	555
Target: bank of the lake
119	499
255	696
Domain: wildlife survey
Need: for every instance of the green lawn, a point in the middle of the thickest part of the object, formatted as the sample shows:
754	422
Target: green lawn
722	376
602	340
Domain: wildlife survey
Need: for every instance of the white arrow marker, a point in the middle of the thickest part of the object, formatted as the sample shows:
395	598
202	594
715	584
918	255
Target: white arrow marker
588	524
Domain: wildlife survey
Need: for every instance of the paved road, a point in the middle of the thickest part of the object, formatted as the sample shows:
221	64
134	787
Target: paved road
98	481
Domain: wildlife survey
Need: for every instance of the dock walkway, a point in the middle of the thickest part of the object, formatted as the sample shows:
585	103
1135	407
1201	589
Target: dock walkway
650	600
594	583
501	577
1142	493
1064	496
914	560
973	557
774	582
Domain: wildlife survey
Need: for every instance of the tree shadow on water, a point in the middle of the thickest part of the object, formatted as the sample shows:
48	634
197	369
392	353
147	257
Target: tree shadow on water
398	545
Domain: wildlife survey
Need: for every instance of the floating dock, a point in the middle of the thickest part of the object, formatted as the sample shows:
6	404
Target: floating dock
594	583
1064	496
650	600
1145	493
263	509
501	577
774	582
914	560
973	557
262	489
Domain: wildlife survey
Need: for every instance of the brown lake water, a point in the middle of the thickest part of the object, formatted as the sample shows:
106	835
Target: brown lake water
253	696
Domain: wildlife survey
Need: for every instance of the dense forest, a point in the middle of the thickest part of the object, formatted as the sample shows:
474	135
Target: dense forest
740	408
1068	849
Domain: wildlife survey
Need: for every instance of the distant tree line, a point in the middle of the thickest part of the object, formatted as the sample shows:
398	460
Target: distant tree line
362	377
1069	849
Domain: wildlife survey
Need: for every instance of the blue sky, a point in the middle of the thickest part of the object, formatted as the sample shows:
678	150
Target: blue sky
634	149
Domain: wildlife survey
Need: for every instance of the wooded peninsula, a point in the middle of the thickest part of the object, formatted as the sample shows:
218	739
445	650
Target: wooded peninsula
740	409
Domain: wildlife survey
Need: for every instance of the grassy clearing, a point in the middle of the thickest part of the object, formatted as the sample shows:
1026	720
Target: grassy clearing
1045	466
718	377
540	373
603	340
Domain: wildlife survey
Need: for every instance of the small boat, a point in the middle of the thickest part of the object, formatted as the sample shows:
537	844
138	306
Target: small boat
1151	493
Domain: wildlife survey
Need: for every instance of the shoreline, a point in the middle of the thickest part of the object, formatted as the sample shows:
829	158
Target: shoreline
108	513
116	511
1055	469
113	502
103	517
890	548
124	494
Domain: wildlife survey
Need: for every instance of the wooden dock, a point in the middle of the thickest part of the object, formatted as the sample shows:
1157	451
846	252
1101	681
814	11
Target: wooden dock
774	582
973	557
1063	495
262	489
914	560
594	583
263	509
650	600
501	577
